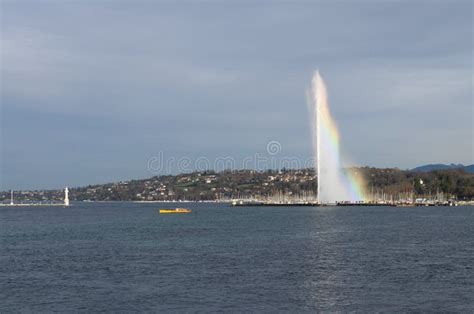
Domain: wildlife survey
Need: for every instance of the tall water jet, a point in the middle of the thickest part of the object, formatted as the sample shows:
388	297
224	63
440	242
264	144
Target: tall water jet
334	183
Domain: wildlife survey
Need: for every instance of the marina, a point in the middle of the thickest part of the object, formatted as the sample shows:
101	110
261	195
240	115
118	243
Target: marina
256	203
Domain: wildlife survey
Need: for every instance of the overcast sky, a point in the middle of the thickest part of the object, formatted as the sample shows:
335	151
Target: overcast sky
91	90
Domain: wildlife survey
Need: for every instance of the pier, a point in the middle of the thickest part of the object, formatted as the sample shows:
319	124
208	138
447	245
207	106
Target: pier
256	203
65	203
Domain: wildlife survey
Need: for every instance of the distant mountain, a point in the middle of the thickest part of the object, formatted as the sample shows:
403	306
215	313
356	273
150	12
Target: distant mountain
469	169
432	167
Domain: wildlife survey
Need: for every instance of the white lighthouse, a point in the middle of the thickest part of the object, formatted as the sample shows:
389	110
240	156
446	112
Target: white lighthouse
66	197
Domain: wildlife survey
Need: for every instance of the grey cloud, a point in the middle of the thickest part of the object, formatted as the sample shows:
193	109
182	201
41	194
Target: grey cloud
212	78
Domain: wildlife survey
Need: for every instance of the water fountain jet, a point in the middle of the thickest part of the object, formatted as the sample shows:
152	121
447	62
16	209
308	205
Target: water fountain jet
334	183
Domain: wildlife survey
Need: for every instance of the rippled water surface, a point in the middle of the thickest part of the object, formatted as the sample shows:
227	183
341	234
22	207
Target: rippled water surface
128	257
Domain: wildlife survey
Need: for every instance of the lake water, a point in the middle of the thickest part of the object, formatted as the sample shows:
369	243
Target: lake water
127	257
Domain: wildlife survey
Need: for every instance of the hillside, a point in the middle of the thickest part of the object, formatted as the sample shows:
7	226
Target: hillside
247	183
433	167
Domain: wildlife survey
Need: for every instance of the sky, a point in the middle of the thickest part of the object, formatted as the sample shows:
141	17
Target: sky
98	91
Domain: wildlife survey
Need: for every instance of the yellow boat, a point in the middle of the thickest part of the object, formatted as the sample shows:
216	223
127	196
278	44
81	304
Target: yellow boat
175	211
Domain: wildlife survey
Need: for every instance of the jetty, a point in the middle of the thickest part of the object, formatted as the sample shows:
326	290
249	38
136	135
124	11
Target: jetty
12	203
258	203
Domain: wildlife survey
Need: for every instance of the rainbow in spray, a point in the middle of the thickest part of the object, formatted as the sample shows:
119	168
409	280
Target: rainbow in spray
334	183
